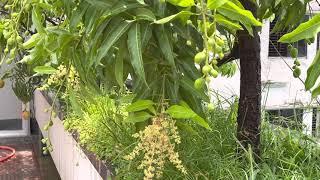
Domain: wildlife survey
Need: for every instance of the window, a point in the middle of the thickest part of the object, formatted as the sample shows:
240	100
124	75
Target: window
277	49
288	118
314	122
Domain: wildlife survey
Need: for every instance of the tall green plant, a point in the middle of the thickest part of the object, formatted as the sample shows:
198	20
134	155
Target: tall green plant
161	45
153	41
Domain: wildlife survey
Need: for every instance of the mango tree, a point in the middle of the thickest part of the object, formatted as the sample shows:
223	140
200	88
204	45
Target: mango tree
169	48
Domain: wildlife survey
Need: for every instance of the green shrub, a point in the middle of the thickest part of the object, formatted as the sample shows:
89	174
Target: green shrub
285	153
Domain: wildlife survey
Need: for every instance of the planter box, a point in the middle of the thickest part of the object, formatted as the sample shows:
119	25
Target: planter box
72	161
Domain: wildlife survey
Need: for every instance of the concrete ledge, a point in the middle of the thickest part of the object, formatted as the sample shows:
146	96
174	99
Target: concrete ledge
72	161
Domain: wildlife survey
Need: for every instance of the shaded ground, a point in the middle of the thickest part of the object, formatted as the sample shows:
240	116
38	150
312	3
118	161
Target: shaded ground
28	163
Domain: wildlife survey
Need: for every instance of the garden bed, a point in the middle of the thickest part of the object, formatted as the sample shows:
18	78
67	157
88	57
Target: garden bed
72	160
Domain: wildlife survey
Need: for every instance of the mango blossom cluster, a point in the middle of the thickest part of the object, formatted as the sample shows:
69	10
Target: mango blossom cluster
157	141
57	78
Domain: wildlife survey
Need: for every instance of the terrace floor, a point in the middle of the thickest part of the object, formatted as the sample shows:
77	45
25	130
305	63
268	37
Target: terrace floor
28	162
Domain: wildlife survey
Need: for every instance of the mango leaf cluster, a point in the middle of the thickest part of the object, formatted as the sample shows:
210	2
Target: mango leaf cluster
288	13
151	41
307	31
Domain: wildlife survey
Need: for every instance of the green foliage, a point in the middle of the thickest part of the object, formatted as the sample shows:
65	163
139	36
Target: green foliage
234	12
231	26
180	14
136	117
229	69
214	4
286	153
182	112
44	70
288	13
305	30
313	74
100	124
22	84
182	3
140	105
154	43
107	41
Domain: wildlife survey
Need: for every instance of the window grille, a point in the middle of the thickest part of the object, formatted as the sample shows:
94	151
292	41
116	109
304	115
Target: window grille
314	121
287	118
277	49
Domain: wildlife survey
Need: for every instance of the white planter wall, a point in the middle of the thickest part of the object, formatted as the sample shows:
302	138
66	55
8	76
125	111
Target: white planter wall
70	160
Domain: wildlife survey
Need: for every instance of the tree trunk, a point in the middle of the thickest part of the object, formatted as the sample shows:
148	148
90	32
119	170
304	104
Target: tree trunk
249	111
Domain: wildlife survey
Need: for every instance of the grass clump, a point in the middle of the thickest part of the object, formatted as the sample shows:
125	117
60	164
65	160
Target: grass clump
285	154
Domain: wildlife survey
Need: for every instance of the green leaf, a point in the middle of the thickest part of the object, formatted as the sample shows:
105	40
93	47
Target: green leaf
76	107
305	30
140	105
172	90
120	7
313	72
99	3
214	4
135	50
180	112
238	3
32	42
199	120
187	128
316	92
146	33
152	110
118	70
141	1
234	12
182	3
44	70
145	14
184	104
165	46
112	37
172	17
77	15
138	117
226	23
90	18
188	85
37	20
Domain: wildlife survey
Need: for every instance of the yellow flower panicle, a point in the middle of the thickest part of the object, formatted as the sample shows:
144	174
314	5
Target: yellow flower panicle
61	73
157	142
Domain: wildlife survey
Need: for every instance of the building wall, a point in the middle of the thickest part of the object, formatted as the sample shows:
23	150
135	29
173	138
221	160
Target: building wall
279	88
10	106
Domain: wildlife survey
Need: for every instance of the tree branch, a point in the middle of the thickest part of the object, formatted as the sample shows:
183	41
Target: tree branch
50	20
4	12
233	55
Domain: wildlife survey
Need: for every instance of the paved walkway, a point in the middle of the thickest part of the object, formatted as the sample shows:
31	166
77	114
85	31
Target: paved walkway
28	163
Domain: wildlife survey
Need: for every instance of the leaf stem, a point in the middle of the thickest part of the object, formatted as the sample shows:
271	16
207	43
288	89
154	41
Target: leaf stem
204	20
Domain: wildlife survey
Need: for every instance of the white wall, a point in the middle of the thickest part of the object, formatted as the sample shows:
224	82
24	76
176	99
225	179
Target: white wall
10	106
280	88
69	159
